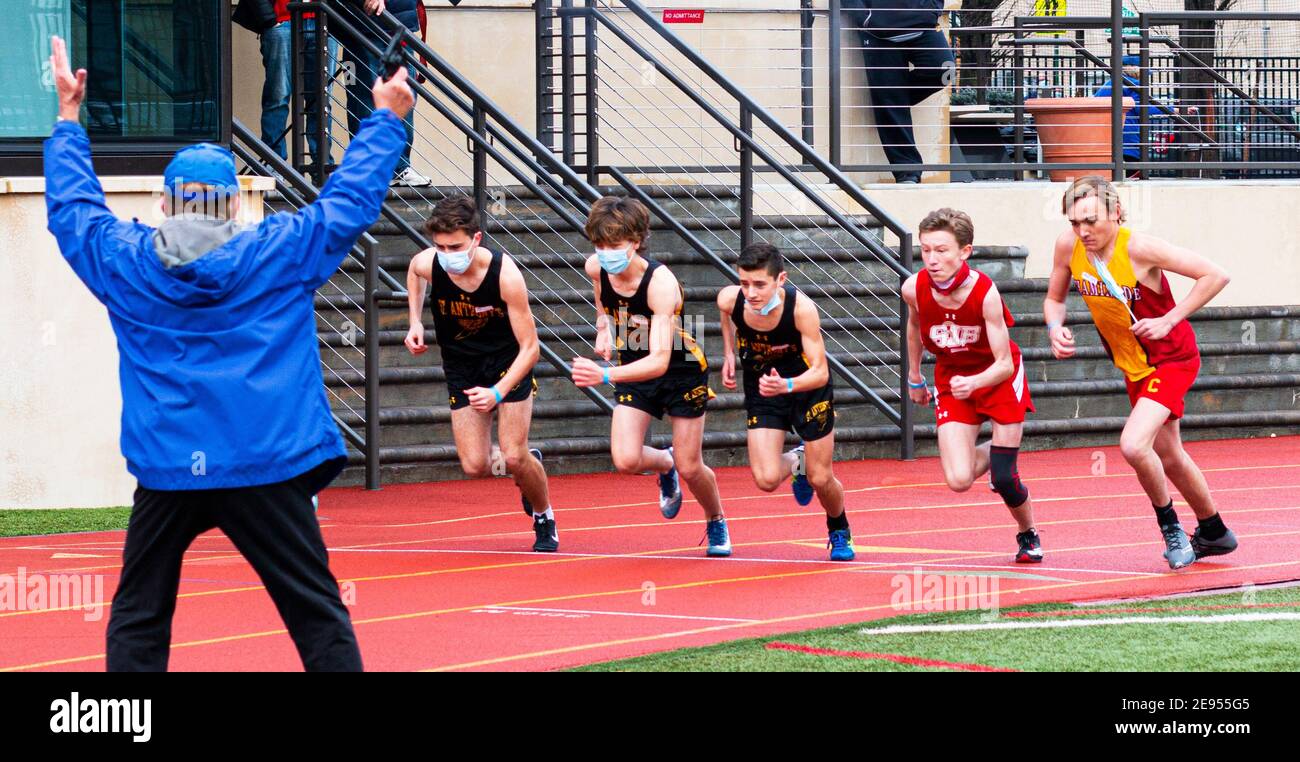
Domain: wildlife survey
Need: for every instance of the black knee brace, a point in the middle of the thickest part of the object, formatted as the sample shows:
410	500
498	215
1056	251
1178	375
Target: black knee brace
1006	479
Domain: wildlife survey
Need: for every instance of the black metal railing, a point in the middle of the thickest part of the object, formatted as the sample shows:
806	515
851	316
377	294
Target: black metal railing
497	148
611	127
1229	104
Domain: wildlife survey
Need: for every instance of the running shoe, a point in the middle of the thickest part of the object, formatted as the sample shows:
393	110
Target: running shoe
670	492
719	539
841	545
1220	547
1178	551
548	540
799	484
1031	548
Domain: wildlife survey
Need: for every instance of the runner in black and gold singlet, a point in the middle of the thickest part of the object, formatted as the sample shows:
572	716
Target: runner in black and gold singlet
777	332
474	333
683	390
489	346
661	368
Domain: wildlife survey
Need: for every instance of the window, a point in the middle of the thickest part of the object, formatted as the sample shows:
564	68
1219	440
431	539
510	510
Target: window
157	76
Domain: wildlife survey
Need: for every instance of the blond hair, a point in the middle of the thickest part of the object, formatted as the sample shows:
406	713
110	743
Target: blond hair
1093	186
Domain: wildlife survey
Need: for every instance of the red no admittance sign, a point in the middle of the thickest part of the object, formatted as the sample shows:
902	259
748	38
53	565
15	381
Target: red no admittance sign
683	17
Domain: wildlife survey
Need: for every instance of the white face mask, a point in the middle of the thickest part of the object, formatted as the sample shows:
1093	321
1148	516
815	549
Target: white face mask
614	261
458	261
775	302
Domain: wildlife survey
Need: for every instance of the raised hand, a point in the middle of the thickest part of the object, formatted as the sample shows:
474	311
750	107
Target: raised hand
71	87
394	94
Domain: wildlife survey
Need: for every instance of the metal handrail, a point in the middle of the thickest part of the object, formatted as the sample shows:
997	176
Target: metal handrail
479	105
416	47
750	149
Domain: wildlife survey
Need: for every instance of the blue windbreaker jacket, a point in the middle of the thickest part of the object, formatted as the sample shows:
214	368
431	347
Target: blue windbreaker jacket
219	360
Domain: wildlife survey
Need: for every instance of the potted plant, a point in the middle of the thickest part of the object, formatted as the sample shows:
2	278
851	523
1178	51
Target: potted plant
1074	131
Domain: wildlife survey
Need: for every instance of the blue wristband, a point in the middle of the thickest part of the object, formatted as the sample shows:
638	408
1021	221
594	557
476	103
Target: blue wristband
789	384
921	385
497	394
605	379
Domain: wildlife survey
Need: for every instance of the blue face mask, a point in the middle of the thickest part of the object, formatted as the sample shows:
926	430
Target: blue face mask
456	262
613	261
776	302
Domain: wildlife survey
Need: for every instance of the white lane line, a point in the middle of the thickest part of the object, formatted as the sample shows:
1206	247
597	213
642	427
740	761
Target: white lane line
903	629
616	613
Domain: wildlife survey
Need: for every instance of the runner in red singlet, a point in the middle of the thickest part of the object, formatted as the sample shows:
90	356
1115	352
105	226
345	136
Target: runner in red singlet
957	314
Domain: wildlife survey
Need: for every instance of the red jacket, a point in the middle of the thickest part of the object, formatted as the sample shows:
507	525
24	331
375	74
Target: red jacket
282	10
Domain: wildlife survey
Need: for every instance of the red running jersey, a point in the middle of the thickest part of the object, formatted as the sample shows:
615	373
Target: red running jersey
958	337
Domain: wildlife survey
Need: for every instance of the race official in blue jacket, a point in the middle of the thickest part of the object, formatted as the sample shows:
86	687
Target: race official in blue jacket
225	422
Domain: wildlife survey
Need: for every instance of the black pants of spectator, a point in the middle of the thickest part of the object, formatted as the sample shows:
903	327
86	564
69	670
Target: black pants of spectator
274	526
901	75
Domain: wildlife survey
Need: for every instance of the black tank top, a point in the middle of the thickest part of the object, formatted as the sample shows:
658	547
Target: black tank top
630	323
761	351
471	324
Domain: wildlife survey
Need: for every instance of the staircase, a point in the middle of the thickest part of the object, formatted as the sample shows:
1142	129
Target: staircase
1249	383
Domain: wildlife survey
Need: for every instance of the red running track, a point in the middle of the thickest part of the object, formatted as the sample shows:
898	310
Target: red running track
440	576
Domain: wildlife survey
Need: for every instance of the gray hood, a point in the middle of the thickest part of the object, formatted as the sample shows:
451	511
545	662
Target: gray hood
181	240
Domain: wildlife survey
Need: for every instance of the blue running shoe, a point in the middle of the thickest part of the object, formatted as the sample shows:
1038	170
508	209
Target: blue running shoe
528	506
719	539
1178	551
841	545
799	484
670	492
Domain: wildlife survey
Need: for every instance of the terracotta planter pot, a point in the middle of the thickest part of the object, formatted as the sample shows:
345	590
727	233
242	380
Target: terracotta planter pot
1074	131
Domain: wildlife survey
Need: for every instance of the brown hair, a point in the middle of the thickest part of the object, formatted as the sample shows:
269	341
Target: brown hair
618	218
451	214
1089	187
761	254
952	220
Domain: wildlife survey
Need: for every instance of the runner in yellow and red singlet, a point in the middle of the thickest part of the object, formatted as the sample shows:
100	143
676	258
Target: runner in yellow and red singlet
1121	276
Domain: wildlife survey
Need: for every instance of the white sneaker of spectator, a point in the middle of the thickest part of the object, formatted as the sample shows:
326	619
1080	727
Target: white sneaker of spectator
409	178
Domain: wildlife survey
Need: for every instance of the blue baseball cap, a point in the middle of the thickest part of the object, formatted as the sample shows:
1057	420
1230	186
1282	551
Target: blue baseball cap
1131	61
205	163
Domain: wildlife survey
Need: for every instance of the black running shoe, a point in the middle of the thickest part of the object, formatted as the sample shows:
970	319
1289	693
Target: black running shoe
548	540
1031	548
528	507
1220	547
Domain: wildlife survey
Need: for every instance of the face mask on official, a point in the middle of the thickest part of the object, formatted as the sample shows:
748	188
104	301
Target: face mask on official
457	261
614	261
